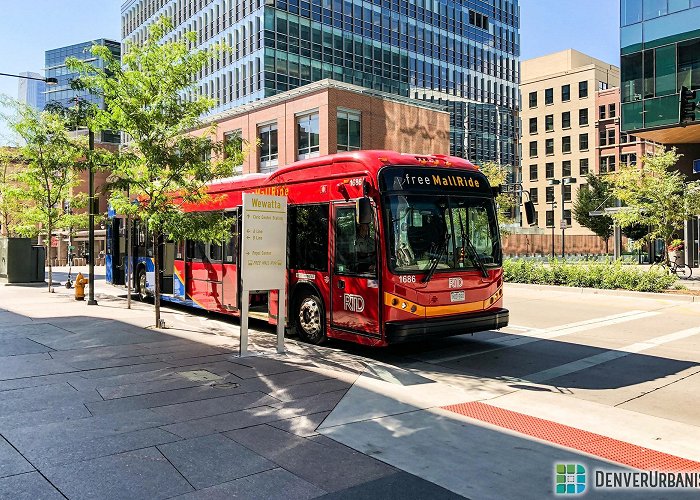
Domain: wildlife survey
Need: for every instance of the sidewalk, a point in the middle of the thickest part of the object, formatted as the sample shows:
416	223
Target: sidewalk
96	405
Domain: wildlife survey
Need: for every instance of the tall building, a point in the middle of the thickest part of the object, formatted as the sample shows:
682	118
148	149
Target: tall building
559	131
659	55
31	92
55	60
463	55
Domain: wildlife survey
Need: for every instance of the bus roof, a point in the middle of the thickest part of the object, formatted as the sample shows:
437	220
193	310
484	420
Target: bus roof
371	160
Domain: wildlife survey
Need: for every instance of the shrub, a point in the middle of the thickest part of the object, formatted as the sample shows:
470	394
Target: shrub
606	275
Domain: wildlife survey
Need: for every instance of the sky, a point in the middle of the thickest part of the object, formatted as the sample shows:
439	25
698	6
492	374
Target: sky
30	27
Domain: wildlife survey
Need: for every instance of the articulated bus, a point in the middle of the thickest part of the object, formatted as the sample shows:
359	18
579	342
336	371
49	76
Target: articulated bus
383	247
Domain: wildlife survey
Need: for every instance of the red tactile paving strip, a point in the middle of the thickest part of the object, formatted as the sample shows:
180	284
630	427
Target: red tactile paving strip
614	450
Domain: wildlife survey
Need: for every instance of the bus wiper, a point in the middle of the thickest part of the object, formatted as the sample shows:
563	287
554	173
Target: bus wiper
475	255
434	263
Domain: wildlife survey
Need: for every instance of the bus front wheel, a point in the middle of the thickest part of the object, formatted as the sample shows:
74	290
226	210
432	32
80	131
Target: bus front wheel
310	319
141	286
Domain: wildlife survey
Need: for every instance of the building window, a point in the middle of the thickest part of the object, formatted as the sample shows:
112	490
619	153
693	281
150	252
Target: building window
533	149
583	166
550	218
549	96
233	145
624	138
601	112
566	168
607	164
307	136
267	135
479	20
348	130
689	64
611	136
567	213
611	110
583	142
566	92
533	172
549	170
549	123
567	192
549	146
602	138
566	119
628	159
566	144
582	89
549	194
533	195
583	117
533	125
533	99
603	85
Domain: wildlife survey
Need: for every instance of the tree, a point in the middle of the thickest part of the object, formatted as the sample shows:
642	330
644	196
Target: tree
12	197
151	96
596	196
656	195
497	175
51	158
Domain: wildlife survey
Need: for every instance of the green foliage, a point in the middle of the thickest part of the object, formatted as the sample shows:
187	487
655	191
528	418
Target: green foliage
656	196
612	275
151	96
13	200
596	196
498	175
51	158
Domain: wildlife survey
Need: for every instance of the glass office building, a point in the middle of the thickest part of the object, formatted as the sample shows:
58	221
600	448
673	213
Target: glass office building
660	53
461	54
56	68
32	92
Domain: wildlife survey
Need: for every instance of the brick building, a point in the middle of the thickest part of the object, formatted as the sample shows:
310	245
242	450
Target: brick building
614	147
330	116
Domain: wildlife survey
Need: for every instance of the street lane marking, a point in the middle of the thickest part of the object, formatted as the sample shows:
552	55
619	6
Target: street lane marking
548	333
604	357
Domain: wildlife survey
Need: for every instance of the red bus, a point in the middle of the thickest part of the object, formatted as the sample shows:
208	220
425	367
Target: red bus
383	247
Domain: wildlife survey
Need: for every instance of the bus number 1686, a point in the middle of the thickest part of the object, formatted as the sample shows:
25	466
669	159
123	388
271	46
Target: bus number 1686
408	279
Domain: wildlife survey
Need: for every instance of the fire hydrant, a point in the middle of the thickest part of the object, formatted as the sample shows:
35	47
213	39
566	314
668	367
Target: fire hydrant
80	282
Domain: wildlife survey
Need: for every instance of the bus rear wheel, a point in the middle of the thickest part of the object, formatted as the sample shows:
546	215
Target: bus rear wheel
310	319
141	287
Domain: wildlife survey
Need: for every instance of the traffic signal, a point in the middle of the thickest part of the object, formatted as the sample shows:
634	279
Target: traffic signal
687	105
530	214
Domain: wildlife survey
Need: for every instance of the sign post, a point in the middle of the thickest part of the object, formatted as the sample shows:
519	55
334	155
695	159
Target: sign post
263	257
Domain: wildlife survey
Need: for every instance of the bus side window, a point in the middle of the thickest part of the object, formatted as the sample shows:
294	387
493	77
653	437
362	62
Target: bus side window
215	252
179	250
231	247
196	250
308	237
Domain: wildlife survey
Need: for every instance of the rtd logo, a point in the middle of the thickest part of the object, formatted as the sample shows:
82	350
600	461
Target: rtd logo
456	282
353	303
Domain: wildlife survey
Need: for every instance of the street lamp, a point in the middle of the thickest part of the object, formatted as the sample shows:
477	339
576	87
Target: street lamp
49	81
553	182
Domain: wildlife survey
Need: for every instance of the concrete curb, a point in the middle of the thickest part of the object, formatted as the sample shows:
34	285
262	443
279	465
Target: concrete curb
599	291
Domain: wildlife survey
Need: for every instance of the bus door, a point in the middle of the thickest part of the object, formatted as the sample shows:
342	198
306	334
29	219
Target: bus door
230	266
115	254
167	266
203	273
354	283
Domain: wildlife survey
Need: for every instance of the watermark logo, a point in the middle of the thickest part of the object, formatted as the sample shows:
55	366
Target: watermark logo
570	479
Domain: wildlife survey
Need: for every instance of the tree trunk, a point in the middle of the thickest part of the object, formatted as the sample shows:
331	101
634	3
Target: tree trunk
607	245
48	258
156	264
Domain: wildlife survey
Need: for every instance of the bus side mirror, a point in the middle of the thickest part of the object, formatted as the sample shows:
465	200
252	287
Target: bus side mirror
496	190
530	214
363	211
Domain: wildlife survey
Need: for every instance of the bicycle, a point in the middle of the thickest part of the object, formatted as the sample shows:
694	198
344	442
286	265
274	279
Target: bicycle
683	271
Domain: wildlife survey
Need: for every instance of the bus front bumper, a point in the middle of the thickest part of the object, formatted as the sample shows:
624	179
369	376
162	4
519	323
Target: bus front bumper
406	331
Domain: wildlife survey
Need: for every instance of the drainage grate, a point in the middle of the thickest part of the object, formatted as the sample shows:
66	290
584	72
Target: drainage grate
614	450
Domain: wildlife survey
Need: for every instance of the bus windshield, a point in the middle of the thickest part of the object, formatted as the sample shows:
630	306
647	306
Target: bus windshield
441	232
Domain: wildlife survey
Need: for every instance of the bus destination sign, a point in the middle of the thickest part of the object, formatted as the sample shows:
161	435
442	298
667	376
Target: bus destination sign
430	180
